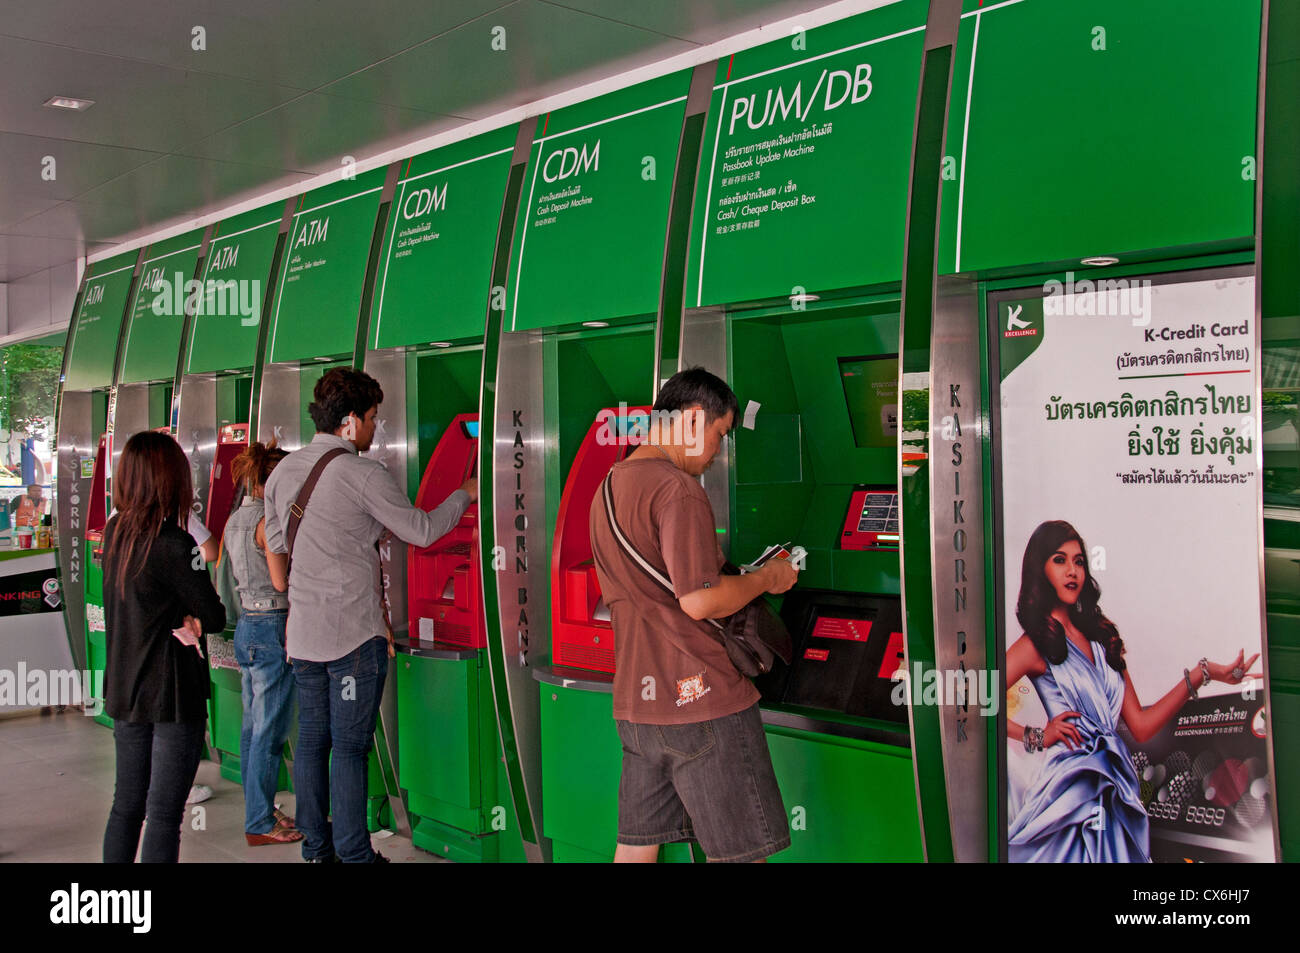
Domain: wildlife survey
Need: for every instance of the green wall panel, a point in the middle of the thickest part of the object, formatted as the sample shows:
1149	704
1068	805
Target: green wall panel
795	470
446	383
1072	150
808	136
323	270
157	316
226	325
98	322
436	264
589	240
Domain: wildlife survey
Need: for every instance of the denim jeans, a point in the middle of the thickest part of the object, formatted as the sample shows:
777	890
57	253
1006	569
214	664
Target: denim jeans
268	693
156	763
338	703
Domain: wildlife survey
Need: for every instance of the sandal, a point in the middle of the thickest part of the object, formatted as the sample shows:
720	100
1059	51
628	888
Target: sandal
279	834
283	818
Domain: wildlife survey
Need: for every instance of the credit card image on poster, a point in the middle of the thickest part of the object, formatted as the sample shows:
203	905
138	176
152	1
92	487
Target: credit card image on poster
1205	785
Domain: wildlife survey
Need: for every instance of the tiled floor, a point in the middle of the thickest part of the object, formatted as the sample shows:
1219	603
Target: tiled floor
56	788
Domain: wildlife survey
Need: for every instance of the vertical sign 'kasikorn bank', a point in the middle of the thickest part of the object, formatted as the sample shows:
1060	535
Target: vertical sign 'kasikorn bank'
589	240
809	135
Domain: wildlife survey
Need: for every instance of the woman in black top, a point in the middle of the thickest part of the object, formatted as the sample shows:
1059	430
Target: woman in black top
158	600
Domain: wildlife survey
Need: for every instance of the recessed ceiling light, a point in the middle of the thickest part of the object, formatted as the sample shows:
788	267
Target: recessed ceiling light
1100	260
69	102
595	324
440	344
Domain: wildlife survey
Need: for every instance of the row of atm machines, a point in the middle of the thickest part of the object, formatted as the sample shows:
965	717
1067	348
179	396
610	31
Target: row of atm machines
831	723
463	733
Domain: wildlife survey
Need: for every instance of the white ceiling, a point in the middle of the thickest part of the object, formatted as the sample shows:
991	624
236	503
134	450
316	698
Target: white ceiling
281	92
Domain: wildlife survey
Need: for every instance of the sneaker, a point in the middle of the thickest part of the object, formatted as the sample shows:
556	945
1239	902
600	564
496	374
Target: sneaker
331	859
379	859
198	794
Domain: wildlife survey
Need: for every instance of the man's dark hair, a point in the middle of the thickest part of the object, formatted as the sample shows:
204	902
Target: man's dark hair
340	392
694	386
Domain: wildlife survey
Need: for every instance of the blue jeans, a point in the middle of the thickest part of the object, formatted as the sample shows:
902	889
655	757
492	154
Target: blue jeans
156	763
338	703
268	691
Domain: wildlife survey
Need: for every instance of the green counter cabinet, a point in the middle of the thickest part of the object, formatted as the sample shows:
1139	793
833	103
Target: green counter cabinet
449	759
846	799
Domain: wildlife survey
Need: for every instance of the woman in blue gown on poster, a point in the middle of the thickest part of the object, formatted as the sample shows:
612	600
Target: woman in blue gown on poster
1084	804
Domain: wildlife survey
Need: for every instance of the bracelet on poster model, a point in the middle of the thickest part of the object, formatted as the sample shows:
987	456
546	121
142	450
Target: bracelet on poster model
1205	671
1033	740
1187	677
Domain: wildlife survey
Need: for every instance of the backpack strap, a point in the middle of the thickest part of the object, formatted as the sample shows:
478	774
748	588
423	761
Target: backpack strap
649	568
299	506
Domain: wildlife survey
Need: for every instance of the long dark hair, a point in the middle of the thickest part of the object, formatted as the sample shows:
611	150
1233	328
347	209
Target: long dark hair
253	467
151	486
1038	599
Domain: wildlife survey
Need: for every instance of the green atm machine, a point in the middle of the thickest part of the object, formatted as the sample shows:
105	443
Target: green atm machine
577	344
321	290
88	368
216	410
425	347
806	332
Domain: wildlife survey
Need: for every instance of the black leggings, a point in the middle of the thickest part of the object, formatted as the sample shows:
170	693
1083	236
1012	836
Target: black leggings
156	764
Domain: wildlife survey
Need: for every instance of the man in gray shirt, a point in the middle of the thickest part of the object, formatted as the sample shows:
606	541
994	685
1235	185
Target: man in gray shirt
336	634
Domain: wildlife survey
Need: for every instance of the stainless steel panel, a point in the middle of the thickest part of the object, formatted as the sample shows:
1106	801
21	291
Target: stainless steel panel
128	414
390	448
196	432
519	518
704	344
279	414
71	501
957	430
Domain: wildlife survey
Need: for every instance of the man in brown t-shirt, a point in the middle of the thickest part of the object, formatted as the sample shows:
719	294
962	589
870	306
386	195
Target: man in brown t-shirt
695	759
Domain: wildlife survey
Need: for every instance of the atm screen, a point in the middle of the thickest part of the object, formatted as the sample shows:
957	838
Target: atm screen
872	519
871	393
847	649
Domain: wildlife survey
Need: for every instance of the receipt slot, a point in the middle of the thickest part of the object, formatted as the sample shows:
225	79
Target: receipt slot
444	592
581	633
